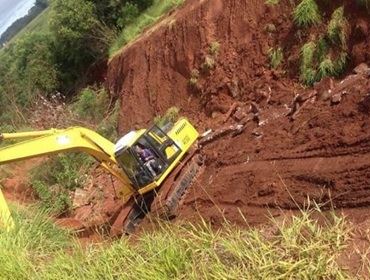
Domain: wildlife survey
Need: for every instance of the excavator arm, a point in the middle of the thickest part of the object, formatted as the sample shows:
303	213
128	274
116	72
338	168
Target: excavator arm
54	141
49	142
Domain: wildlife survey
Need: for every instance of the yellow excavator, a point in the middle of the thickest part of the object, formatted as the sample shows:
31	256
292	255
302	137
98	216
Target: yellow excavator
158	184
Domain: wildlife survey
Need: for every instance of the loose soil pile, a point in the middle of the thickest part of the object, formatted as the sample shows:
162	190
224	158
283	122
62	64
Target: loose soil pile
295	144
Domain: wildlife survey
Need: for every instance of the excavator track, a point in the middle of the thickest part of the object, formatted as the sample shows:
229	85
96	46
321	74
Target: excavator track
169	196
163	203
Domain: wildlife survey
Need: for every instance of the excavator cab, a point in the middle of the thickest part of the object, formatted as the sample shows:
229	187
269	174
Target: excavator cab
161	146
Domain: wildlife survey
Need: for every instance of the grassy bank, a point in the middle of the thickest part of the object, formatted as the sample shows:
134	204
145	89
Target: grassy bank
298	248
148	18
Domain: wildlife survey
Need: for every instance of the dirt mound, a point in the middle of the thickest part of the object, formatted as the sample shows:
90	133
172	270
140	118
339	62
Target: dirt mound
210	60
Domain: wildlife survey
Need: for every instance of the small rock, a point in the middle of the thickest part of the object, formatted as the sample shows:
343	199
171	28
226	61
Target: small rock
81	198
270	28
362	69
336	98
240	114
325	95
257	132
83	213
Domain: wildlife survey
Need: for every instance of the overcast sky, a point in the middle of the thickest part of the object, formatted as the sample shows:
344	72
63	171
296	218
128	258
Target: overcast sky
11	10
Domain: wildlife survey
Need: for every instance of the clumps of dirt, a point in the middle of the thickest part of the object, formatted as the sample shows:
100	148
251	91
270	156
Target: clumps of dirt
15	181
295	143
94	206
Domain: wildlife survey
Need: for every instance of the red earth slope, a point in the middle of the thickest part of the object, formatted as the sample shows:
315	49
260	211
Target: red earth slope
296	143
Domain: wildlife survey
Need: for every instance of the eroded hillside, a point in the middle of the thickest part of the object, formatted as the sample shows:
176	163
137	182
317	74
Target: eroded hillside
210	59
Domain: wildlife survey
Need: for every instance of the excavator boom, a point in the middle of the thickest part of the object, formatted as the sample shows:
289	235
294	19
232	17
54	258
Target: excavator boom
54	141
50	142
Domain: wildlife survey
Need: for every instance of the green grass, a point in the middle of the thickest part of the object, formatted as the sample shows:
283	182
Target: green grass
146	19
32	242
308	73
337	27
294	248
326	68
276	57
306	13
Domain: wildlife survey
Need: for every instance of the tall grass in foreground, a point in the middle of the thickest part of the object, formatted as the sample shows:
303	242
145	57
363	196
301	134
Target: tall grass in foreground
297	248
34	240
149	17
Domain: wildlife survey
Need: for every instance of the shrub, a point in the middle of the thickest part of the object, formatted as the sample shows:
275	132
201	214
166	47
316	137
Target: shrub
108	127
208	64
214	48
194	77
308	73
54	199
276	57
306	13
92	104
307	54
63	170
337	27
322	48
129	12
340	63
54	179
326	68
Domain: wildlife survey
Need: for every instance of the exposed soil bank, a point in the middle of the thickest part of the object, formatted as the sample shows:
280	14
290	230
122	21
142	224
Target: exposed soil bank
296	143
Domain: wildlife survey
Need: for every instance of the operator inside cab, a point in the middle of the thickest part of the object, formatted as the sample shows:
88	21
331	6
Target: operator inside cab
148	158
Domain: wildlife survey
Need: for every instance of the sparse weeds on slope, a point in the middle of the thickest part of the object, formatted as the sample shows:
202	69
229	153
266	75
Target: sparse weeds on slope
307	13
276	57
297	247
208	64
308	73
214	48
338	28
340	63
325	56
326	68
194	77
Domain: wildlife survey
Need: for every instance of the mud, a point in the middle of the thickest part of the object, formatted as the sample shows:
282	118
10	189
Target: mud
296	144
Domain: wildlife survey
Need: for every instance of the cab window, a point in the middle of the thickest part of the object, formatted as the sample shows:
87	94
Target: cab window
166	147
139	176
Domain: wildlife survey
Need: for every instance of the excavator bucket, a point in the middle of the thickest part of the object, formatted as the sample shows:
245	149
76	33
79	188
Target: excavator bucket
6	220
